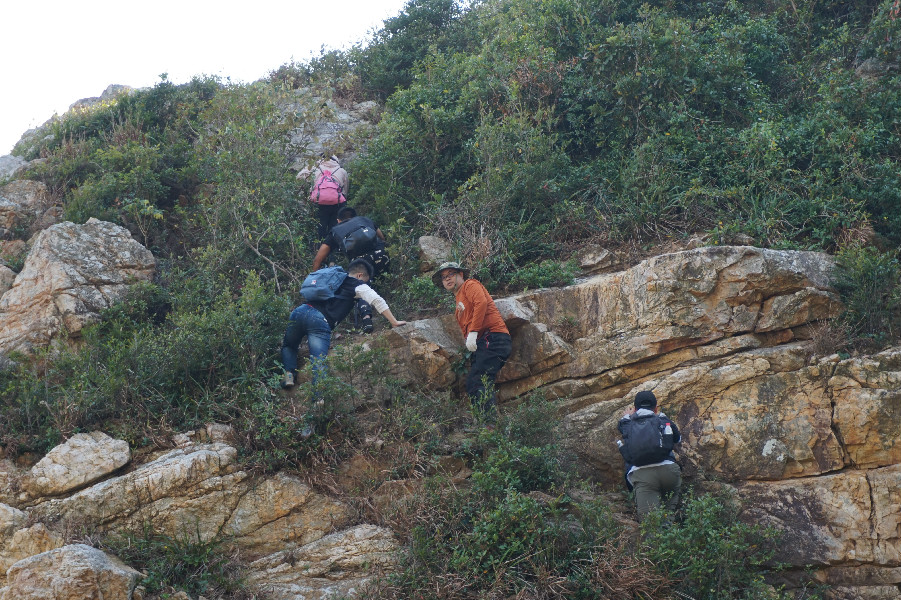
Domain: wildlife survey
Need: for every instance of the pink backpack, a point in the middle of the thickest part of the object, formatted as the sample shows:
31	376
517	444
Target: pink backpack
327	190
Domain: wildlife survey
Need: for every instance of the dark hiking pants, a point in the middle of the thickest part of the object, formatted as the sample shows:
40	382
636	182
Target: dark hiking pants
328	217
492	352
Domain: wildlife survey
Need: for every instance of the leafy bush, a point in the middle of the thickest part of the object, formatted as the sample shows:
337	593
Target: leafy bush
251	219
421	296
869	282
513	467
711	553
545	274
528	422
182	563
514	541
665	120
386	63
156	361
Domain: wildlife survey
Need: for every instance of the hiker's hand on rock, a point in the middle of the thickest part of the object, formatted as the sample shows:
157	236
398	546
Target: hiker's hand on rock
398	323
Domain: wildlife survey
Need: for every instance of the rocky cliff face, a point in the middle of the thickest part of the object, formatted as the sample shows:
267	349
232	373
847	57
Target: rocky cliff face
303	542
70	274
722	337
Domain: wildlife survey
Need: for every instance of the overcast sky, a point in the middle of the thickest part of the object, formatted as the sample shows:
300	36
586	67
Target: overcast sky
54	52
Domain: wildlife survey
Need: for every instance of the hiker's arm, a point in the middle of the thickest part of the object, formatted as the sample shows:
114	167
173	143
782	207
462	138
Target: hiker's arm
369	295
479	299
324	249
379	233
394	322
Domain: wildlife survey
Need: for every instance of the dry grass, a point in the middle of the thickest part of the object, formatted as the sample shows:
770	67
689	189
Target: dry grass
568	329
618	572
828	337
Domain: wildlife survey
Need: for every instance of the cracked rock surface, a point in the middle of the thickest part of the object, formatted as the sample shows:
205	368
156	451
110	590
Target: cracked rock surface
71	273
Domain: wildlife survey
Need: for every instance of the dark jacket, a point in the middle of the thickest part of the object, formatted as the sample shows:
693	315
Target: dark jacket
332	240
626	422
335	309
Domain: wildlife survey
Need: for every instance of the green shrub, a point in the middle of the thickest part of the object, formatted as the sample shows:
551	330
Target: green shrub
515	539
386	63
869	282
516	467
531	422
252	218
182	563
545	274
711	553
156	361
420	295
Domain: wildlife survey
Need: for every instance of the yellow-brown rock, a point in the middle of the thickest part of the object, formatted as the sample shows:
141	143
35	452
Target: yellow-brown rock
82	459
74	572
72	272
664	308
336	566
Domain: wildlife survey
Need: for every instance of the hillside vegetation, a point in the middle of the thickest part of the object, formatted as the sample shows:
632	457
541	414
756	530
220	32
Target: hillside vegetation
521	130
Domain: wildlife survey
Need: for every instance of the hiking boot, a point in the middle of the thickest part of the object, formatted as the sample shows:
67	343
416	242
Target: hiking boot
367	325
288	381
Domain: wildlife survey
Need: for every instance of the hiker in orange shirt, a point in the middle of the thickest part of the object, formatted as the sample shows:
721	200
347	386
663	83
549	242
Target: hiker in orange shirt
486	335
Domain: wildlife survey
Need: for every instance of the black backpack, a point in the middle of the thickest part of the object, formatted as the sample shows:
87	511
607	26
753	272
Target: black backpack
355	236
648	439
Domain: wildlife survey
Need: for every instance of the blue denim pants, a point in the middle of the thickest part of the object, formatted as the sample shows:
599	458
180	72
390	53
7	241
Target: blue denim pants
307	321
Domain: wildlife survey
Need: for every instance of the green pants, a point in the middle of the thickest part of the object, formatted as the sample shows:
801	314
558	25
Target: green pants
653	484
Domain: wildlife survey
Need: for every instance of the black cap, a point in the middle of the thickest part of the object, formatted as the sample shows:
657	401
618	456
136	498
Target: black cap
646	400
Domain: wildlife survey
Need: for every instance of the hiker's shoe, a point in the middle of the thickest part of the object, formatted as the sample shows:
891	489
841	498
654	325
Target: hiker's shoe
288	381
367	326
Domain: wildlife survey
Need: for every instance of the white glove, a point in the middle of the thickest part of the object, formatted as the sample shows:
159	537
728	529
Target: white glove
471	341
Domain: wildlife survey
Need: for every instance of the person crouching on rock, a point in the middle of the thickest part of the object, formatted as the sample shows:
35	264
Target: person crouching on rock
315	320
485	333
646	447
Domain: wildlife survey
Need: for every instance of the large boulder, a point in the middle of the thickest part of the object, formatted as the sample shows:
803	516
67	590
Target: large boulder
336	566
433	251
19	540
11	165
74	572
71	273
22	202
327	126
7	277
669	310
722	337
111	93
298	535
81	460
10	476
198	491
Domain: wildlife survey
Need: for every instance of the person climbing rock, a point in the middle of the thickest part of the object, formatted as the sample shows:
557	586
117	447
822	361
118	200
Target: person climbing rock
484	331
330	184
359	238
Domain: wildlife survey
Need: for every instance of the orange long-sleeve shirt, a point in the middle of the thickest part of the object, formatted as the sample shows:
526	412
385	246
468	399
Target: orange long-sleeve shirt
476	310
